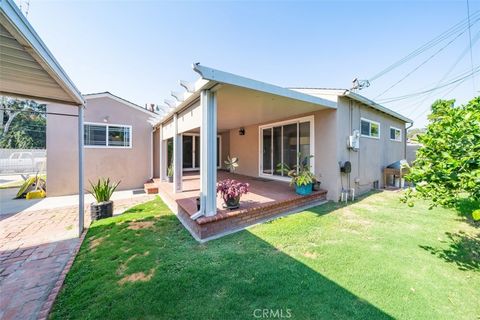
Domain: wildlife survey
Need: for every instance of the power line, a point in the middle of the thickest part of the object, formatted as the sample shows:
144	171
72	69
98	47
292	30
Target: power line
464	52
470	42
393	99
444	35
424	62
443	96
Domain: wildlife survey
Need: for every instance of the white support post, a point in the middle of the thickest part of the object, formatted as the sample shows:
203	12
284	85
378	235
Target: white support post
162	156
81	199
208	152
177	158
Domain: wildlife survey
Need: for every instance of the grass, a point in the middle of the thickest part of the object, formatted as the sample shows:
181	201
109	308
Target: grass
374	259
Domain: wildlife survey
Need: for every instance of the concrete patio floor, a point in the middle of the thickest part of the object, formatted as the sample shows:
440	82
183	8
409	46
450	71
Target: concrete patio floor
9	205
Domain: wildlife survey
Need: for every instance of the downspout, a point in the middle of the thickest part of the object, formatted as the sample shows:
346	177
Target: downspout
405	141
81	188
151	151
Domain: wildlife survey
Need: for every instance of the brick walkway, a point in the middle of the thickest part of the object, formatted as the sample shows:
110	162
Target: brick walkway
35	247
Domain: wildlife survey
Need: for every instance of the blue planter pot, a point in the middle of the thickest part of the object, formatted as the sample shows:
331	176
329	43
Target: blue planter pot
303	190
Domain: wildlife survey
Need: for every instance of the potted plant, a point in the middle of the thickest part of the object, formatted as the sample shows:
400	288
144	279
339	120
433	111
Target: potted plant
170	173
231	191
231	164
301	176
316	184
102	192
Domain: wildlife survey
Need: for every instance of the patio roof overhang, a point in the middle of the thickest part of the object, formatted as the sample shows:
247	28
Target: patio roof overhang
243	101
27	68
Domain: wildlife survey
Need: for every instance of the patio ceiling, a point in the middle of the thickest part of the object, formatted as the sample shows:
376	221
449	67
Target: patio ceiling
241	107
27	68
240	102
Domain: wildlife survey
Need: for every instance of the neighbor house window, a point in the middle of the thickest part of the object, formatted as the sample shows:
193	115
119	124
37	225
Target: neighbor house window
370	128
107	135
282	142
395	134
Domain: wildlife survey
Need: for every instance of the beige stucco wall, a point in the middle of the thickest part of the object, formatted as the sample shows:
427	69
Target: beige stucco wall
132	166
246	149
62	150
332	129
374	154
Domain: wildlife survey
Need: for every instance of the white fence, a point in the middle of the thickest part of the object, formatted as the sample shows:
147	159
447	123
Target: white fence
14	161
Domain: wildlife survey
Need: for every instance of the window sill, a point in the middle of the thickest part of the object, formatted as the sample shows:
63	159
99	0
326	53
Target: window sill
370	137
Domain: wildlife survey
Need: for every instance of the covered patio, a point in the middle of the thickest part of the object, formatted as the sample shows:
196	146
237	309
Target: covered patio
262	125
265	200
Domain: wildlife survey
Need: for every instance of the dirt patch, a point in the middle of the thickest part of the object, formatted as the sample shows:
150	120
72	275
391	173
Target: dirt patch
351	217
311	255
137	277
95	242
123	266
138	225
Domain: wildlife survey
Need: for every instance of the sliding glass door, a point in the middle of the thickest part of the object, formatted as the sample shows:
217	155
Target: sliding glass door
191	152
282	142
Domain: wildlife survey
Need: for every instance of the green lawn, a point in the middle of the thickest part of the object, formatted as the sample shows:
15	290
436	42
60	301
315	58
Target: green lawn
374	259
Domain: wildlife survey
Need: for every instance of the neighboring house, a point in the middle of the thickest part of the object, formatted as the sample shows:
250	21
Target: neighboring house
412	148
118	144
263	125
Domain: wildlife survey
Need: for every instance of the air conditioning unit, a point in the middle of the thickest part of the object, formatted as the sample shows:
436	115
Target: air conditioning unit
354	140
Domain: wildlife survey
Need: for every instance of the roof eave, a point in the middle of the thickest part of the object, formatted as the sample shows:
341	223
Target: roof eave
24	32
239	81
377	106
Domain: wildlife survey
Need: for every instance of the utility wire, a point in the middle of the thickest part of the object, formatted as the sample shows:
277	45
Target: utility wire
426	61
445	35
393	99
470	42
464	52
443	96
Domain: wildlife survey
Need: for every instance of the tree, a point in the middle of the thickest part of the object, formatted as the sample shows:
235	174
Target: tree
447	167
412	134
22	124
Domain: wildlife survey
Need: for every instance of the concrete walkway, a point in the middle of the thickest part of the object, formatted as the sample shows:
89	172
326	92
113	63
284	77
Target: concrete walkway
9	205
35	247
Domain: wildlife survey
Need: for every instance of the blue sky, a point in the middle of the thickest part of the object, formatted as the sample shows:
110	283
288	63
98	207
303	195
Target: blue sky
140	49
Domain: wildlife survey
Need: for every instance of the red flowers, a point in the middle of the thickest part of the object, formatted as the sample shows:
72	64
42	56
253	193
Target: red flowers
231	189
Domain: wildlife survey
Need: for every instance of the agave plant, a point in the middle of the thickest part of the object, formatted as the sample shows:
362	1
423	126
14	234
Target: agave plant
103	189
231	163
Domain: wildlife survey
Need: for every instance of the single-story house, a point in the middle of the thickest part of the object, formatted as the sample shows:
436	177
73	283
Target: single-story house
264	125
117	138
221	115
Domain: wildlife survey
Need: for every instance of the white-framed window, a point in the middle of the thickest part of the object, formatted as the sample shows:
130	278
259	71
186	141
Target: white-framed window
369	128
281	142
395	134
101	135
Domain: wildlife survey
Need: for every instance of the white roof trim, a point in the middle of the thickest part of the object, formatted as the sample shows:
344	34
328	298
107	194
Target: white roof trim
22	30
376	106
120	100
239	81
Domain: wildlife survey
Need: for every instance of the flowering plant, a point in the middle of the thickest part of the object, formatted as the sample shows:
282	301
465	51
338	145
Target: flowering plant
231	189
